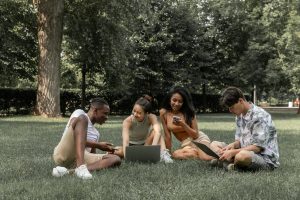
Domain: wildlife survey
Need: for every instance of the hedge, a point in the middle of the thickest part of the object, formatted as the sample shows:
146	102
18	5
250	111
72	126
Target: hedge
14	101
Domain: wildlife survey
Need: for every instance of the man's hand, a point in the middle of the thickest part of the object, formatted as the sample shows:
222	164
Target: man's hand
228	147
106	146
227	155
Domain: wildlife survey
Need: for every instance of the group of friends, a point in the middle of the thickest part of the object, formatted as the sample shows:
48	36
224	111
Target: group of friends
255	145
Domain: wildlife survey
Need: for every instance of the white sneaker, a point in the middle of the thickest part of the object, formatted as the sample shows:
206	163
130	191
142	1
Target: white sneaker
230	167
83	172
59	171
165	156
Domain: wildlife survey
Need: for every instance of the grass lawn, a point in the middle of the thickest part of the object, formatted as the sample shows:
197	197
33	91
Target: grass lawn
27	144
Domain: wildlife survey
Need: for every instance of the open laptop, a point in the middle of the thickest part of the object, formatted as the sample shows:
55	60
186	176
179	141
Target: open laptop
206	149
141	153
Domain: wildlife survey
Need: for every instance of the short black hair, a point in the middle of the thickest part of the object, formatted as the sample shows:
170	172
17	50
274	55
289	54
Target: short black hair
98	102
231	96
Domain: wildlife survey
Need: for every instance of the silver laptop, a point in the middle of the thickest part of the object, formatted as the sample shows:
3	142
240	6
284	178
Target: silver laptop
141	153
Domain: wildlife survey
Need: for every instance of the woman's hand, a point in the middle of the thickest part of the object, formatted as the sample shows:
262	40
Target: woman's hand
178	121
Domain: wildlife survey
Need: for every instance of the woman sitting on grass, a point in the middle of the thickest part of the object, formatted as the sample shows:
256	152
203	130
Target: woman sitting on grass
142	128
178	117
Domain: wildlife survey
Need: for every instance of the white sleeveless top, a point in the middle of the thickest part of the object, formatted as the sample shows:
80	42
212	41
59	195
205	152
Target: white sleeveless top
92	133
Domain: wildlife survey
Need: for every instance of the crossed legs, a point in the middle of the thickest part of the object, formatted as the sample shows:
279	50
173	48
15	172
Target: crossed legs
190	152
71	151
242	159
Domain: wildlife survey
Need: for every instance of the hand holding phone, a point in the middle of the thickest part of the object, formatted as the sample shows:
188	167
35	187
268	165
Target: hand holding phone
176	119
116	147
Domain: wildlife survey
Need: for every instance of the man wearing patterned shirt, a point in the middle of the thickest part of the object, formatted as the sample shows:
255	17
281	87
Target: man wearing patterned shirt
255	146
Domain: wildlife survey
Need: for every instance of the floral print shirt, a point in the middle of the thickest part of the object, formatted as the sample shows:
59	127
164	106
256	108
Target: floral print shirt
257	128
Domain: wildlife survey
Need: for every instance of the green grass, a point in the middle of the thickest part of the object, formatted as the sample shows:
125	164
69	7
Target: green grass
27	143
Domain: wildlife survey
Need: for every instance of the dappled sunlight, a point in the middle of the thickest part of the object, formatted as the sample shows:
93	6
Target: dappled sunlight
287	125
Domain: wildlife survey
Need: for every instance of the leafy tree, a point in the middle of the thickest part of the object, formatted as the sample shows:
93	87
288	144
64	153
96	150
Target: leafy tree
266	21
18	42
288	49
134	47
246	35
95	35
171	47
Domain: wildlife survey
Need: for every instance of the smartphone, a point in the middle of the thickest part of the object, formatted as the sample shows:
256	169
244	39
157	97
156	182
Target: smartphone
116	148
176	118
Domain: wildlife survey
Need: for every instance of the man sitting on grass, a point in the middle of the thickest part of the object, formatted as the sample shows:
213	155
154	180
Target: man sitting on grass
255	145
77	147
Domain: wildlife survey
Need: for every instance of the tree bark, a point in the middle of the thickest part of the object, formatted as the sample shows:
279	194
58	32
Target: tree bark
50	27
204	97
298	112
83	86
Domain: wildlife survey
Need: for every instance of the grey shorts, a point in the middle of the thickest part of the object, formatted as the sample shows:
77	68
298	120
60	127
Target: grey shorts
259	163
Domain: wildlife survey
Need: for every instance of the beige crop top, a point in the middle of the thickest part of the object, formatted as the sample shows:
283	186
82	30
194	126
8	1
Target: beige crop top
139	131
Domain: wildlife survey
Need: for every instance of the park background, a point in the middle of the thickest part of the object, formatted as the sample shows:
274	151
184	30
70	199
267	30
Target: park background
57	54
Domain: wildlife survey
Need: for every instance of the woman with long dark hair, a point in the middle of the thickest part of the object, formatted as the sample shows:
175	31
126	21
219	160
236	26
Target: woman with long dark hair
178	116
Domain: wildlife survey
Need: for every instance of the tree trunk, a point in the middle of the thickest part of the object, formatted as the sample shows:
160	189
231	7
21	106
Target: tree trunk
50	27
204	97
83	86
298	112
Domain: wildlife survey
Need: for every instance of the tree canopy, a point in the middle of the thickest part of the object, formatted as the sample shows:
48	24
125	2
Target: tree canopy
148	46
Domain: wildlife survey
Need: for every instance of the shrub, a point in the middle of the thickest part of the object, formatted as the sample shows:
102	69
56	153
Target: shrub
22	101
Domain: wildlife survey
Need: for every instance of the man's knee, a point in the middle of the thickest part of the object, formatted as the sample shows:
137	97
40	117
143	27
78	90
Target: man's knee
59	159
243	157
117	160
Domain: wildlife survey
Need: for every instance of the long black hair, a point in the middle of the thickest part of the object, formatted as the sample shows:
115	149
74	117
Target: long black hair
187	107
